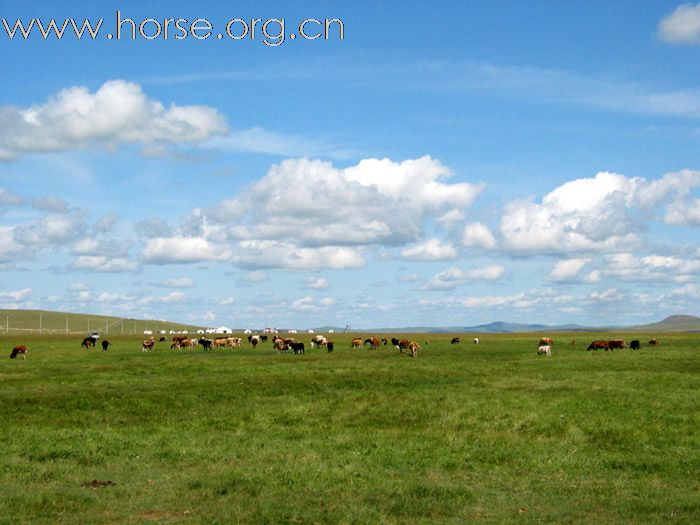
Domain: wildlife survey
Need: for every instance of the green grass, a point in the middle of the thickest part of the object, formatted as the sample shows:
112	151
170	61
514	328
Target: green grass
464	433
40	322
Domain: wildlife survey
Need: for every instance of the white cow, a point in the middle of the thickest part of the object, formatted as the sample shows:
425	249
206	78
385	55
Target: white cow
545	350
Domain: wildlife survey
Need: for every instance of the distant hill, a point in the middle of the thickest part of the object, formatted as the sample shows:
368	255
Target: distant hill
673	323
46	322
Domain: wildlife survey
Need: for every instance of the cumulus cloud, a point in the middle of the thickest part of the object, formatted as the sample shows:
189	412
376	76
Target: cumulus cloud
178	282
478	235
17	295
567	269
101	263
431	250
317	283
117	113
682	26
308	303
255	277
308	215
605	213
453	277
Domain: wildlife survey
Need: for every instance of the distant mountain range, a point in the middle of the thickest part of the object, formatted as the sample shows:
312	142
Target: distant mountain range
61	322
673	323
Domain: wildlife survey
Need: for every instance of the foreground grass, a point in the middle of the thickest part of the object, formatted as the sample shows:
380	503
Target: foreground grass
487	433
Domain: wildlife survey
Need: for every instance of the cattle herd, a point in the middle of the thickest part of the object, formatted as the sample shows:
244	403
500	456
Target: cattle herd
289	344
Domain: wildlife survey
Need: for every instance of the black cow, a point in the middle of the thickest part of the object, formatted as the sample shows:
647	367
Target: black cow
329	346
394	341
206	343
89	342
455	340
297	348
105	344
634	345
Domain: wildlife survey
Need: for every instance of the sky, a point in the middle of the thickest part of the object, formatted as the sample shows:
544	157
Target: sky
531	162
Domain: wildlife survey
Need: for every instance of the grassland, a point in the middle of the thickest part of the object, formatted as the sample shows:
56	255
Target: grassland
487	433
45	322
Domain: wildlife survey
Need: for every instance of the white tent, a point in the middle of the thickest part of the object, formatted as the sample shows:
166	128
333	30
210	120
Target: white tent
222	330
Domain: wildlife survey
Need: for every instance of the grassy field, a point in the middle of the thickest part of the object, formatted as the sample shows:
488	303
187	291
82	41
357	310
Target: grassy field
15	322
487	433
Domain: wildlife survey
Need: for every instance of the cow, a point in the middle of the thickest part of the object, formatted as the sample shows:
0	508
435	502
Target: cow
403	344
653	342
162	339
455	341
329	346
206	343
178	339
546	341
384	341
254	340
220	341
105	344
318	340
89	342
356	342
263	338
616	344
413	347
395	341
373	342
545	350
148	344
279	345
297	347
598	345
634	344
476	340
19	350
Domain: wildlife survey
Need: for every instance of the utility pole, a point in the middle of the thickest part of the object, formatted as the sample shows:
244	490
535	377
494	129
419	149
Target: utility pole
66	324
40	322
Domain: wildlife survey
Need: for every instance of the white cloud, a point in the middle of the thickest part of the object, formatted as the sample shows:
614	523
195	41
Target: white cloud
567	269
17	295
605	213
255	277
431	250
453	277
478	235
317	283
100	263
117	113
179	282
682	26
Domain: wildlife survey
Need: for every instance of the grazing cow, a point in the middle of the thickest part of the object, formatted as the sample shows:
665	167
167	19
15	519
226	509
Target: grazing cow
356	343
318	340
89	342
254	340
413	347
384	341
403	344
148	344
162	339
634	345
546	341
455	341
297	347
616	344
476	340
178	339
105	344
373	342
19	350
279	345
329	346
220	341
263	338
395	341
545	350
598	345
654	342
206	343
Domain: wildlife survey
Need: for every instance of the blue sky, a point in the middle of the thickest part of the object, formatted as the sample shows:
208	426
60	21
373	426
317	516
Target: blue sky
446	166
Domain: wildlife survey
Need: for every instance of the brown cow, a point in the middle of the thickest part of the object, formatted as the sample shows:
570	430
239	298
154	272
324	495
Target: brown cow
546	341
653	342
373	342
598	345
19	350
148	344
413	347
356	343
403	344
616	344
